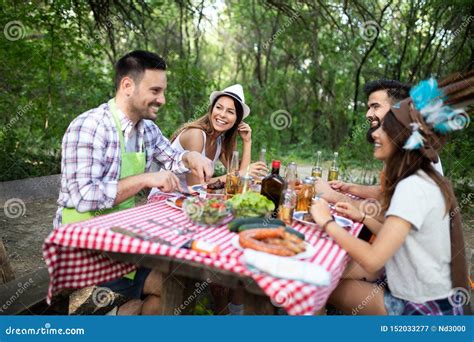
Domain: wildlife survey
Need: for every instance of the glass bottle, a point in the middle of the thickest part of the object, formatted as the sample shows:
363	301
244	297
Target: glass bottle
263	153
317	170
232	178
291	174
272	185
289	196
262	158
334	170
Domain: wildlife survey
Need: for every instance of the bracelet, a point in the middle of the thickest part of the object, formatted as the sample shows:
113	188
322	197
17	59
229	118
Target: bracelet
365	214
325	224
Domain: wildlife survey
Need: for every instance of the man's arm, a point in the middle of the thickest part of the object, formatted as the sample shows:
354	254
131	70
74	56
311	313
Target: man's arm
362	191
329	194
166	181
365	191
83	158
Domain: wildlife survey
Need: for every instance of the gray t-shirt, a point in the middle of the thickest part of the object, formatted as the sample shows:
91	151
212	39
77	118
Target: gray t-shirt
420	270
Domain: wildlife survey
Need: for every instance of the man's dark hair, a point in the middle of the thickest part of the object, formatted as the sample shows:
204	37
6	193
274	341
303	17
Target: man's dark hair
134	64
396	90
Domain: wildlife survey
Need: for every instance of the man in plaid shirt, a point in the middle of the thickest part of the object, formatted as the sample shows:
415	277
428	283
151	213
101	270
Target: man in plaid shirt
104	147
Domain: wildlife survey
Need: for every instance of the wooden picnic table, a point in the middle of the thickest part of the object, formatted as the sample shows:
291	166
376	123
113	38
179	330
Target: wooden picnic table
89	252
180	278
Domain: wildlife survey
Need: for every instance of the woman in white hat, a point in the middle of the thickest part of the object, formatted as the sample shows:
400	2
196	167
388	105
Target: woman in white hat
215	133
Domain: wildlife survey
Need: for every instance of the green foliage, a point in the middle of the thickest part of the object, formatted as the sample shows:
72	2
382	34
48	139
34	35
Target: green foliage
202	308
305	61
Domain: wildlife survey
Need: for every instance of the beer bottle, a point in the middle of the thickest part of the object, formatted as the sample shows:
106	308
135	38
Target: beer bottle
272	185
317	170
334	170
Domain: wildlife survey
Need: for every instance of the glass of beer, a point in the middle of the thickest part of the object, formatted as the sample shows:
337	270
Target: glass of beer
245	184
305	194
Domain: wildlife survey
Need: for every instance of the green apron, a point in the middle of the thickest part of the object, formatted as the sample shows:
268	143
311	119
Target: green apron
132	163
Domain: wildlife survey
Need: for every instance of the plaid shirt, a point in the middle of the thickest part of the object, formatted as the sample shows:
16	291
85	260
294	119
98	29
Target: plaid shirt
90	165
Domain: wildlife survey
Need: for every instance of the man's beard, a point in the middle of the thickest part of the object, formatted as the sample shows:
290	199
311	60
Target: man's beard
372	129
139	110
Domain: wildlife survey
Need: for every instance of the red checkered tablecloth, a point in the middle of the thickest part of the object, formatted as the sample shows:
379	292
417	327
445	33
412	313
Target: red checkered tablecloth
73	253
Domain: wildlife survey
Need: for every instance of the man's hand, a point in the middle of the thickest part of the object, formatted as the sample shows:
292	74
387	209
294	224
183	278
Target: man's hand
200	166
325	190
341	186
166	181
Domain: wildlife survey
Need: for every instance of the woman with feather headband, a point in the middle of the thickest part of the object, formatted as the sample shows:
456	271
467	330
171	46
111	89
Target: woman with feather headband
420	244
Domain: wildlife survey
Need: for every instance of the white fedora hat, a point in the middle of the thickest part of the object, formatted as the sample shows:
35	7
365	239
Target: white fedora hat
235	91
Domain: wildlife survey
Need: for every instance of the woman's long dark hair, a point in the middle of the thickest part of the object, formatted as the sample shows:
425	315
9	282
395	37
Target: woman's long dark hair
204	123
403	163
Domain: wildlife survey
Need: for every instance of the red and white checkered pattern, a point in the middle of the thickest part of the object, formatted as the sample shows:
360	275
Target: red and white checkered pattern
73	253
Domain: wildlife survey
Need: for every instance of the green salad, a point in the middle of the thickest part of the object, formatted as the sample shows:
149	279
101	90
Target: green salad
251	204
208	212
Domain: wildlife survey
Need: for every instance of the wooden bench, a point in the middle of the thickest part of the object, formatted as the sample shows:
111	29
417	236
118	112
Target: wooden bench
21	295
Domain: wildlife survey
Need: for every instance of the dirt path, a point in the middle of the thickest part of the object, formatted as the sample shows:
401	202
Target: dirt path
23	236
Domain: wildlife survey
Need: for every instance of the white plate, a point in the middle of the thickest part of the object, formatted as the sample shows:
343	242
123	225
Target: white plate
342	221
308	253
172	202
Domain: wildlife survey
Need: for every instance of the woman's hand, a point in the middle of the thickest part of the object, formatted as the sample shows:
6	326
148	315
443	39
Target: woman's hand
350	211
258	169
320	211
245	132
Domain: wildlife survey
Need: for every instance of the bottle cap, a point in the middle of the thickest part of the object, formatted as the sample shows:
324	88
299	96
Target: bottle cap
276	164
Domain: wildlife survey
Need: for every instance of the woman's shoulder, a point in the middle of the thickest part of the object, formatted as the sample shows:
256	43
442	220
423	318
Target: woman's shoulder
192	138
420	183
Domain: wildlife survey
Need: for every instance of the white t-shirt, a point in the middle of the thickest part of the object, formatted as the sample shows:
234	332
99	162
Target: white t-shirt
420	270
